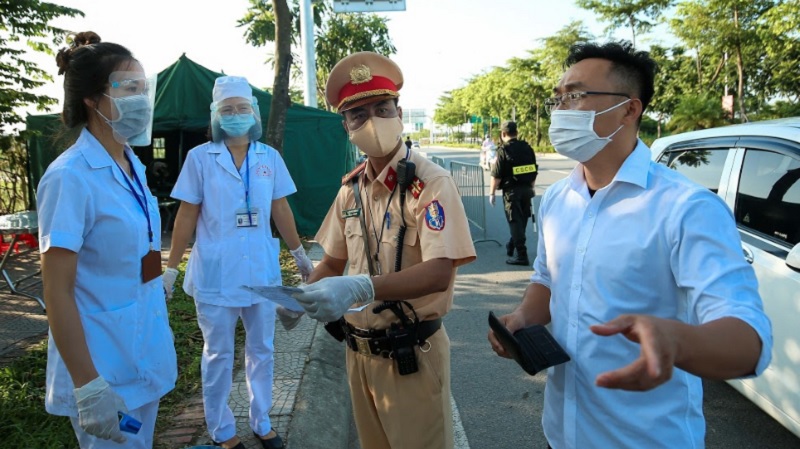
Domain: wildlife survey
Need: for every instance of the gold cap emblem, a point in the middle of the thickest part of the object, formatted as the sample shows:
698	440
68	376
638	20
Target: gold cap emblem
360	74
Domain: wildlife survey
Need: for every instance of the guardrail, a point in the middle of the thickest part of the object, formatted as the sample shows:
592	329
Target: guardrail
469	179
439	161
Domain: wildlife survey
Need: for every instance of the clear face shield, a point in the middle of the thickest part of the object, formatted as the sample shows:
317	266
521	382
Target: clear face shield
132	97
235	117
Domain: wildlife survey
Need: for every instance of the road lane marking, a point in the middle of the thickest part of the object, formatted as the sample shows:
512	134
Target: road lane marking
459	436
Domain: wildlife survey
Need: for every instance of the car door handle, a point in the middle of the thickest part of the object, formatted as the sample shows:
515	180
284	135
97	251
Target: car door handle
748	255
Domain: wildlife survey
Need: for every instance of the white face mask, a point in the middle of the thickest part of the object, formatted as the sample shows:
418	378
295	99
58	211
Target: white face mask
378	136
572	133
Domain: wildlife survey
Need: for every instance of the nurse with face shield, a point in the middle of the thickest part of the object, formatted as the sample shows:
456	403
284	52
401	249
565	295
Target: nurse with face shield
110	348
229	188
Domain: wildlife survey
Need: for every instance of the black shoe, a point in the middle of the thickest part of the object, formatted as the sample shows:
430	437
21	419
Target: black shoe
273	443
510	249
518	261
238	446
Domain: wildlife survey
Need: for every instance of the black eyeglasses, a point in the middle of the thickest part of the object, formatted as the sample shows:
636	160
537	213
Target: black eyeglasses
570	99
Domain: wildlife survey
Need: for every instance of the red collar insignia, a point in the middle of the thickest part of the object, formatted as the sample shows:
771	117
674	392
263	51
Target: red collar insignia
416	187
391	179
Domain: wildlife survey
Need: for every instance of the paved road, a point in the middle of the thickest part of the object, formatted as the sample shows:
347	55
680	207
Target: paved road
499	406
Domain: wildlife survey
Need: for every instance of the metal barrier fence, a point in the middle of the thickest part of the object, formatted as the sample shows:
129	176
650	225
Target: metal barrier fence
438	160
469	179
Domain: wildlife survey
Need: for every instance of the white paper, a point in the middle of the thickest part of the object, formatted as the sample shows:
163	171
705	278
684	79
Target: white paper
357	309
278	294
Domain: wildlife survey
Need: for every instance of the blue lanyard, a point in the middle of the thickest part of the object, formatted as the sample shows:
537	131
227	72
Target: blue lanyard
247	180
143	200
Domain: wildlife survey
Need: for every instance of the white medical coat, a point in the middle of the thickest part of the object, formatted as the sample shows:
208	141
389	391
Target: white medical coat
225	257
86	206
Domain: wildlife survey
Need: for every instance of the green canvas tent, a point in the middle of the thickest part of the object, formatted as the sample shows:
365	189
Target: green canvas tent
316	148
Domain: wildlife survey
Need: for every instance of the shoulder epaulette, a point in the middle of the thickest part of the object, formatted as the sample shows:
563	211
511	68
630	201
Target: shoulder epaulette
354	173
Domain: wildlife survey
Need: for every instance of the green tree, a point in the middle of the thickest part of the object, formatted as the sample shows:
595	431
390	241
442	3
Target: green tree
780	33
276	124
24	26
639	15
450	111
736	25
675	77
697	112
553	51
516	90
343	34
336	35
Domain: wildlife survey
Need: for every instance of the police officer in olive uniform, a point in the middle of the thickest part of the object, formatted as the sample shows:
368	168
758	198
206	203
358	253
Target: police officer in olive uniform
398	227
515	173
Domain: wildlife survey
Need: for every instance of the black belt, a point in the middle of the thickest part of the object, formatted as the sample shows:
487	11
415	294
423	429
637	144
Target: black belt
375	342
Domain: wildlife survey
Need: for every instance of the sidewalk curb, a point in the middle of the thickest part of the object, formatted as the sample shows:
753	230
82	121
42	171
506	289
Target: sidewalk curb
322	411
322	414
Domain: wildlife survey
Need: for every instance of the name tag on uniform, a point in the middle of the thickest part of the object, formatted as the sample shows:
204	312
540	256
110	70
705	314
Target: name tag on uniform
245	219
522	169
350	213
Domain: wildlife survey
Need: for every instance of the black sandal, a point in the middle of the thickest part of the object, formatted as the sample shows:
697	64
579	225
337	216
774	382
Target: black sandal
273	443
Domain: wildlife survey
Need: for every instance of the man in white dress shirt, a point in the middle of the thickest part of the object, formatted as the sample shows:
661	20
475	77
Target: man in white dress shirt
639	272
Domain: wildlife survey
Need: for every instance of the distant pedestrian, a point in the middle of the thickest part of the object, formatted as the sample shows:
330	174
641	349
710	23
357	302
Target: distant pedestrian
110	347
408	142
514	171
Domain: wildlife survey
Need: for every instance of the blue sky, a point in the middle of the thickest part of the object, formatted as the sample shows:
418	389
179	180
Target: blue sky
440	43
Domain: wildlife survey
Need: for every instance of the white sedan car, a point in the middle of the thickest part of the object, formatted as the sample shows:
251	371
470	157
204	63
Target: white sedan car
755	168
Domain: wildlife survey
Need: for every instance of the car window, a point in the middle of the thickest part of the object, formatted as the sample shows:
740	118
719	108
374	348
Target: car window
701	166
768	199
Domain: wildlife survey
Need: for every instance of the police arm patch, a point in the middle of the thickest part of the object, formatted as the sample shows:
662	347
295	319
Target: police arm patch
434	215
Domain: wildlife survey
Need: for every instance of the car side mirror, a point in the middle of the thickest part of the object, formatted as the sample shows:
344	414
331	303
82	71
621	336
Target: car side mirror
793	259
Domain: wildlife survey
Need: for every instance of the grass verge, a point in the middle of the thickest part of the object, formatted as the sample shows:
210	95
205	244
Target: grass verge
24	423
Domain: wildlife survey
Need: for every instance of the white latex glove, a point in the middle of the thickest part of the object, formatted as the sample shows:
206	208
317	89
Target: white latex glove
328	299
97	410
289	319
491	199
303	262
168	279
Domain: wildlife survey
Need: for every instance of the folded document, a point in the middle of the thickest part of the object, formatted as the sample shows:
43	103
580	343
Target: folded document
278	294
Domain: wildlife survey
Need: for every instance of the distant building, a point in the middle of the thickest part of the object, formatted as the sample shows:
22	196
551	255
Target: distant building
413	120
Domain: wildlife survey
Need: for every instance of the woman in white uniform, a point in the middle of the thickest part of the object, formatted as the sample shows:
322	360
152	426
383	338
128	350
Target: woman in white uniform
229	188
110	346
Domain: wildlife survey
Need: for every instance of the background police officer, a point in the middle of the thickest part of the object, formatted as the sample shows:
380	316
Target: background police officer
398	369
515	173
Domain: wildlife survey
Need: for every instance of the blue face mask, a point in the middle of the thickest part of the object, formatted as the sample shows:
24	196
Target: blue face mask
236	125
134	115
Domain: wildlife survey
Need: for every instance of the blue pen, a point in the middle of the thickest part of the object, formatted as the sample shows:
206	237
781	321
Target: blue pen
388	220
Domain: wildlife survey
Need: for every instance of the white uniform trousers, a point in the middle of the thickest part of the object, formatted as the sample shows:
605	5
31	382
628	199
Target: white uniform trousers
218	324
145	414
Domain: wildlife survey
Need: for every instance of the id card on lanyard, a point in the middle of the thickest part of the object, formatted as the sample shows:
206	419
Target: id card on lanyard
246	217
151	262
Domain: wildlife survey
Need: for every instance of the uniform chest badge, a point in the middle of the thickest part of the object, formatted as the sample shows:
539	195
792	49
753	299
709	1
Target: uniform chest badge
434	215
263	171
